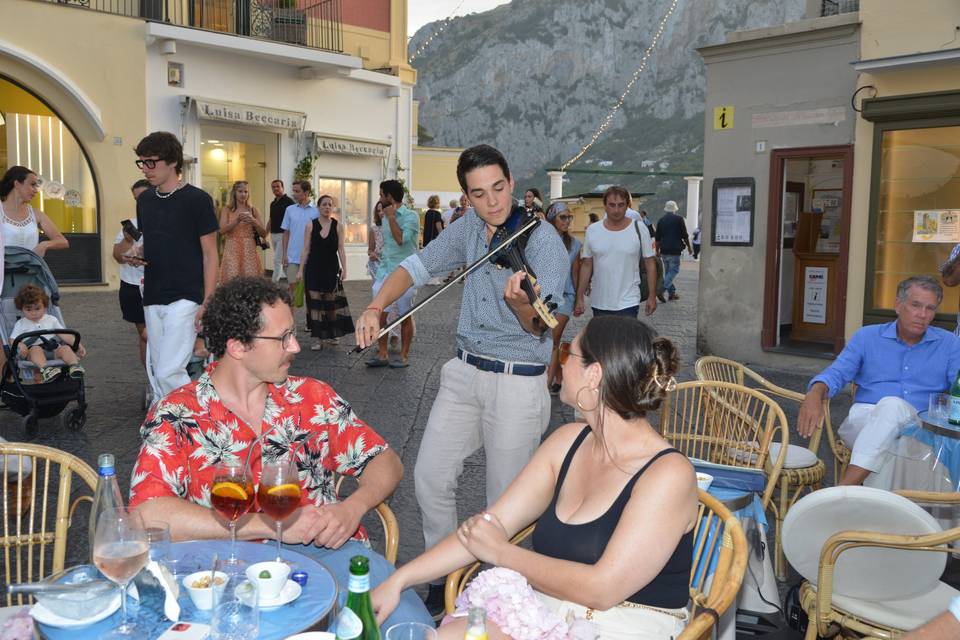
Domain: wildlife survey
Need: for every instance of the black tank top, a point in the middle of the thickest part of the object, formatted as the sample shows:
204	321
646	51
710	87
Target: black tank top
586	542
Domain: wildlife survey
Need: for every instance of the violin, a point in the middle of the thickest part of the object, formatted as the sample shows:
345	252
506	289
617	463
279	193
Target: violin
512	257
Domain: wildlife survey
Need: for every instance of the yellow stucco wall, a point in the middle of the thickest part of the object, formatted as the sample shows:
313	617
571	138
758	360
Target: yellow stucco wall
372	46
435	169
892	28
109	72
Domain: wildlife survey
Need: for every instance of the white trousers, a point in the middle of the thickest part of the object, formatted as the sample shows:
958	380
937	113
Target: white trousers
170	338
276	244
505	414
870	430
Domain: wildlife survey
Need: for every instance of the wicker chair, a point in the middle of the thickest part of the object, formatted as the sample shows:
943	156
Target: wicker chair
802	469
38	505
829	615
718	533
391	528
727	423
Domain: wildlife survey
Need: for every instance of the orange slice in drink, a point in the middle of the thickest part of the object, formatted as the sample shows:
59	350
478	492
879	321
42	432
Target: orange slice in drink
230	490
288	490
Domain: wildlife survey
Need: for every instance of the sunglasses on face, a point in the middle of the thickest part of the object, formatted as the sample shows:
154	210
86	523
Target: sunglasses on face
565	353
149	163
566	218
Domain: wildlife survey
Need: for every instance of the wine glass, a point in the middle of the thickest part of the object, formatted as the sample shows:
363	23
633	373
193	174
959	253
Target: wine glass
232	496
411	631
120	551
236	611
279	493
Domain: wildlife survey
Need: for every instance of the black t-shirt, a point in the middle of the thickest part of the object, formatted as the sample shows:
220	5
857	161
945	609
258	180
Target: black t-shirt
430	220
277	208
172	228
671	233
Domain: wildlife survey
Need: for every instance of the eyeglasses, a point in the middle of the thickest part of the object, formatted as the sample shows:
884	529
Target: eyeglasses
286	338
565	353
566	218
149	163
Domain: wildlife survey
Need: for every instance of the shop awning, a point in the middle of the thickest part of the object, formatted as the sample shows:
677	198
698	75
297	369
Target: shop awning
249	115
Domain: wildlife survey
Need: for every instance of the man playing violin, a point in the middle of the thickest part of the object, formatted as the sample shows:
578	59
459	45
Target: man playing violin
494	392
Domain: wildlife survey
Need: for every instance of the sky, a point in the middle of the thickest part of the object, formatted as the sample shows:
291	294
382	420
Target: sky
420	12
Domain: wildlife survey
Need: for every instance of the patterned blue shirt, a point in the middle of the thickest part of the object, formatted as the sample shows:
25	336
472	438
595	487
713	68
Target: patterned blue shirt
883	365
487	326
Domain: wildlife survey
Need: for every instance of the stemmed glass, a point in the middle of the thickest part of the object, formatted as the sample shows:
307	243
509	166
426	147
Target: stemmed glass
120	551
232	496
279	493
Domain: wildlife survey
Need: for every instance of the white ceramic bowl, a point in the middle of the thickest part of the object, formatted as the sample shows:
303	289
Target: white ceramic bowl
203	597
704	480
268	588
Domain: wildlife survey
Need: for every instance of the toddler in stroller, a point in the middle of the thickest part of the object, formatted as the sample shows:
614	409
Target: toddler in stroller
32	302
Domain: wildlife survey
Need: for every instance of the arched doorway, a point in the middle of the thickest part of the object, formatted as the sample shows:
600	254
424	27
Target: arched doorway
33	135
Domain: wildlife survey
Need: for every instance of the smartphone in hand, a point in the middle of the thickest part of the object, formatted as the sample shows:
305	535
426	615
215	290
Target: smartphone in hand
130	230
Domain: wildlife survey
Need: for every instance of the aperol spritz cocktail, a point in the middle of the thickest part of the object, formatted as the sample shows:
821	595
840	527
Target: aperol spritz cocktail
232	496
279	493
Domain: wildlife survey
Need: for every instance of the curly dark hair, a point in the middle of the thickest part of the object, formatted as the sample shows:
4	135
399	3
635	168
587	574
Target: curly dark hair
235	311
164	145
31	294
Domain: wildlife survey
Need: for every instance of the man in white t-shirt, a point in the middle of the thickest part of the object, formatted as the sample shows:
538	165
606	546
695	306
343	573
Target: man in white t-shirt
611	257
127	252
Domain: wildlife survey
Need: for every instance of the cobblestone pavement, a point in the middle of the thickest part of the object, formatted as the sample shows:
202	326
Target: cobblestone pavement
116	382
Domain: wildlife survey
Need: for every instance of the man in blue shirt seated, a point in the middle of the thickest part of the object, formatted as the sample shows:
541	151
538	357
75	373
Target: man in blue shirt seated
896	367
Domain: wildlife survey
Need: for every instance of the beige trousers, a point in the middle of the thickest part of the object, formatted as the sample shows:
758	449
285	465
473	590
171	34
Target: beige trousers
505	414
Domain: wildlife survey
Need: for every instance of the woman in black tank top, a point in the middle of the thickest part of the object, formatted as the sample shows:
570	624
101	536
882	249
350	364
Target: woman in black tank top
615	508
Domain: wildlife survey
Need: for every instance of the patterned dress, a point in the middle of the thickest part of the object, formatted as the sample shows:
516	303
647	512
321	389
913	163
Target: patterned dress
190	431
240	256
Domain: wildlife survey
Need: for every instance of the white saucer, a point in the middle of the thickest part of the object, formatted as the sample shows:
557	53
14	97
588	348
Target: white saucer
44	616
290	592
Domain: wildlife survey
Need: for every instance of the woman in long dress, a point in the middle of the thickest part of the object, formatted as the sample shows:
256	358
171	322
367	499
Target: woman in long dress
241	225
323	266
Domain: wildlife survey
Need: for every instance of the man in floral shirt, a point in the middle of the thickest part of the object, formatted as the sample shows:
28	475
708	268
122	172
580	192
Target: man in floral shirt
247	406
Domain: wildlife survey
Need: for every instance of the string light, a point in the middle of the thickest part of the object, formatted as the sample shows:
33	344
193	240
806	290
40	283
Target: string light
623	96
443	25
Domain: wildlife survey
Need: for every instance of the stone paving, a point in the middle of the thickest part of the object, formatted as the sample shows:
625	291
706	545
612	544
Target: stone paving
395	401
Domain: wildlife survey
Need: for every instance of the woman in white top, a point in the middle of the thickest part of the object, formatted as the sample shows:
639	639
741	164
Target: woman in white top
21	222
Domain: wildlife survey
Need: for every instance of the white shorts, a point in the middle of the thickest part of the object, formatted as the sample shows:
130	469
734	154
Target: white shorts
402	304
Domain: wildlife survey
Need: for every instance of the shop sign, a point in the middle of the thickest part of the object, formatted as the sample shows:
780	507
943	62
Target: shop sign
815	295
346	146
249	115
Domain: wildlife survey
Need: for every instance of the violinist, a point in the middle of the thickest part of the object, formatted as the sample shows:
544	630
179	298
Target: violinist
494	391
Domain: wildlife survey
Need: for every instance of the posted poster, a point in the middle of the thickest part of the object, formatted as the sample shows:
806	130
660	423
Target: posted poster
936	225
815	295
734	214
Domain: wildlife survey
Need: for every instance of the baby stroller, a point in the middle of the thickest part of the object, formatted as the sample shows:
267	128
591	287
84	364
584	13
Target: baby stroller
18	390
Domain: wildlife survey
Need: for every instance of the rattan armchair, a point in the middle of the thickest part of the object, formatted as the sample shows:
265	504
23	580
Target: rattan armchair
38	504
830	614
730	424
391	528
718	535
802	470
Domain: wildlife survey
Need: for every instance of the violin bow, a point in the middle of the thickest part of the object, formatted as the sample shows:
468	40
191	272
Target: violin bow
463	274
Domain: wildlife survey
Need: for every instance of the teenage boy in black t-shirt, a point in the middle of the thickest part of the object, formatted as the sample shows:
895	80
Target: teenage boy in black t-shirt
180	260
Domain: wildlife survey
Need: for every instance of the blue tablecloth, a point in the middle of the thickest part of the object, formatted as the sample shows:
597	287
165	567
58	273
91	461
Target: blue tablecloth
943	457
301	614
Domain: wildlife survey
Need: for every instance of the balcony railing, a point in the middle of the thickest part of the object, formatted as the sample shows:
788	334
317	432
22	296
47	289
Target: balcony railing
309	23
836	7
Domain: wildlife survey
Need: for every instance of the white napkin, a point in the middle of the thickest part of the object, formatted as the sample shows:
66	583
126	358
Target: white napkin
171	590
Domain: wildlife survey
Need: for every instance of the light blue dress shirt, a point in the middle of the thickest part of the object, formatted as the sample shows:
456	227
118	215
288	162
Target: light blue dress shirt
883	365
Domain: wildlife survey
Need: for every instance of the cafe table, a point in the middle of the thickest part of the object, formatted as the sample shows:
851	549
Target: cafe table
307	611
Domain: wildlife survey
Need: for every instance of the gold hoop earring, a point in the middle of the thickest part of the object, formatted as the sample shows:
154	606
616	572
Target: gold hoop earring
580	405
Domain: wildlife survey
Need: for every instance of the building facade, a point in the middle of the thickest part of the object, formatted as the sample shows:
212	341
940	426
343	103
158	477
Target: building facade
255	90
825	140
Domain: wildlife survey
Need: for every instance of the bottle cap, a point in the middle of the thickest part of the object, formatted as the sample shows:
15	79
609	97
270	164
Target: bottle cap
300	577
106	463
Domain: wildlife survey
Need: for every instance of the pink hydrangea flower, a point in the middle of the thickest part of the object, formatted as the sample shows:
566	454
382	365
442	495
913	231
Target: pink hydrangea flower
513	605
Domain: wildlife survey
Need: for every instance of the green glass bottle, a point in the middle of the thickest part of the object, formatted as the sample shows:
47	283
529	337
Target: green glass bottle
357	620
953	413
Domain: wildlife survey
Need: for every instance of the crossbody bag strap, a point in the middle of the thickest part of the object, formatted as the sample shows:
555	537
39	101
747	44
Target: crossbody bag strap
640	238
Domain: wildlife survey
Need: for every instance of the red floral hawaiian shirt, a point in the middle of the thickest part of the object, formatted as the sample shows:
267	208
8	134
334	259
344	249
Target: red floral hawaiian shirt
190	431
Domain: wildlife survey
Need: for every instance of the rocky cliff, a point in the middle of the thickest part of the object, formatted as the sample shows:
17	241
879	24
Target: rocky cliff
536	77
